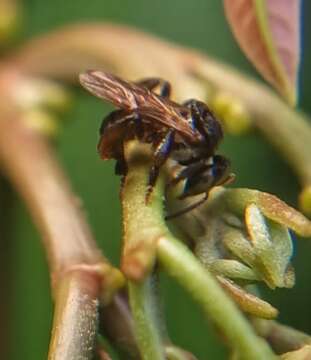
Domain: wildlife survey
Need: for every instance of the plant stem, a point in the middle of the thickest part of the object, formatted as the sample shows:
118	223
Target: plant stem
116	324
76	263
139	243
145	322
179	262
7	200
141	229
75	317
287	129
99	45
281	338
30	163
143	226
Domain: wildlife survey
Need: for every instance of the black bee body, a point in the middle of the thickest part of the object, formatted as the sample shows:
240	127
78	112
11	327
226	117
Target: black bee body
187	133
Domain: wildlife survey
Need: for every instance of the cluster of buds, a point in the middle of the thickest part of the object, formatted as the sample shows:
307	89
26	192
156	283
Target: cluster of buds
244	237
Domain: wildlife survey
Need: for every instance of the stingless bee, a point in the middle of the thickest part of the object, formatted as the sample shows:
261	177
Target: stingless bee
187	133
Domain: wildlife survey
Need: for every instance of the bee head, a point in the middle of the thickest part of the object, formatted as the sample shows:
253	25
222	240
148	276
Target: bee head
205	122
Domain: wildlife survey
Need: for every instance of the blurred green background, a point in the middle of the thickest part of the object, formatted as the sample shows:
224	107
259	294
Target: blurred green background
199	24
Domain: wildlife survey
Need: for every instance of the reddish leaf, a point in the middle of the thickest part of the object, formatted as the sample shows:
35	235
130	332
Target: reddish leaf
268	33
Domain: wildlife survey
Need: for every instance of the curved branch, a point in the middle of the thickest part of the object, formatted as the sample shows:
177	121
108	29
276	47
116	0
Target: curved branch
66	52
77	266
30	163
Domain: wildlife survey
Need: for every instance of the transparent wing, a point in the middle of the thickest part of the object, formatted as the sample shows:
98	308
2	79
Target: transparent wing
132	97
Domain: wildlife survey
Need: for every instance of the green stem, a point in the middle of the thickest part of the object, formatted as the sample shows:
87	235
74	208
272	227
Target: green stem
148	322
145	323
179	262
142	226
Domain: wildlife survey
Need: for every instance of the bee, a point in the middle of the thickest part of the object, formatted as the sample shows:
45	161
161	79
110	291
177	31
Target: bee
188	133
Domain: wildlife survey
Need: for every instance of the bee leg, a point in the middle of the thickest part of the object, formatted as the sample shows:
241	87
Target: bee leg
161	154
152	83
200	177
190	173
117	127
187	208
213	171
116	118
192	168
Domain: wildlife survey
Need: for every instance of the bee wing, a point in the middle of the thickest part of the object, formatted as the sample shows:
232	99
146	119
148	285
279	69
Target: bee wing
110	88
132	97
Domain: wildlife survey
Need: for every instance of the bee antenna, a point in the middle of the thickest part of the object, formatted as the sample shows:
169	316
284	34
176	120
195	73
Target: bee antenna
187	209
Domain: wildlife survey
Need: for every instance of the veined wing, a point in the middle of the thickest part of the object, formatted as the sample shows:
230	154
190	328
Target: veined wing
132	97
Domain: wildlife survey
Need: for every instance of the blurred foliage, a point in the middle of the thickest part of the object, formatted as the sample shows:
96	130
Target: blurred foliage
199	24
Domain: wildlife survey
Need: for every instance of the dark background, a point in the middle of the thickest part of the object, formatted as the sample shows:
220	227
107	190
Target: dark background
198	24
